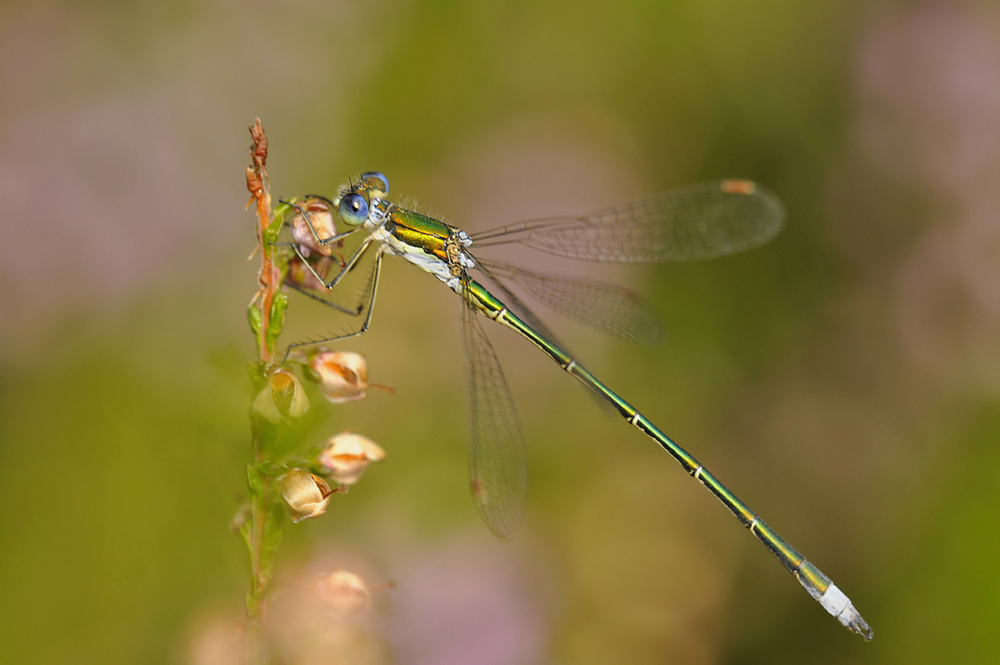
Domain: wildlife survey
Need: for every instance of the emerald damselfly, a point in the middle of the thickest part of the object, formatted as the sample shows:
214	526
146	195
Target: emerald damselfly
701	221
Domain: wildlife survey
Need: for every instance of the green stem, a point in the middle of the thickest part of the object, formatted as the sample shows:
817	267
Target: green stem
261	523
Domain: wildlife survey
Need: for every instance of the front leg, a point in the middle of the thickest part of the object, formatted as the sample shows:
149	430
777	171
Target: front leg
371	306
325	208
347	267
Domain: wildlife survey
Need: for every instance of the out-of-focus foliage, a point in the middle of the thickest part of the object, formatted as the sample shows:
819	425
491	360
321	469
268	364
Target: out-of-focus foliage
843	380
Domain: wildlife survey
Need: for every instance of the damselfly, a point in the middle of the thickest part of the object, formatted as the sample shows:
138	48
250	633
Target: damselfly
692	223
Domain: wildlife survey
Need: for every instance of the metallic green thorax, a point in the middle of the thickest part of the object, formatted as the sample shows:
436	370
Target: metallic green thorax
419	231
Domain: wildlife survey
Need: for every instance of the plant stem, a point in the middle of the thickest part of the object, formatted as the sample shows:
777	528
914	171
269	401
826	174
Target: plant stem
269	281
269	276
258	525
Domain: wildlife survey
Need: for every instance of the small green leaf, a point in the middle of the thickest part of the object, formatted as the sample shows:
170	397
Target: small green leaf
273	535
273	229
254	480
255	317
245	533
281	256
278	307
258	375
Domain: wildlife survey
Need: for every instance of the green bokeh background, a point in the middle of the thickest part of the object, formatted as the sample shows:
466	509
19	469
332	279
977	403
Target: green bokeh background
843	380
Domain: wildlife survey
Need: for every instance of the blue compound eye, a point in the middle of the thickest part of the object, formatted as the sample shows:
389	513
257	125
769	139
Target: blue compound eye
377	184
353	209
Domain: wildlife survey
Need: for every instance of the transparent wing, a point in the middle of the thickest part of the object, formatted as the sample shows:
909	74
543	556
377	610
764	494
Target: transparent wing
695	222
515	303
498	472
529	317
610	308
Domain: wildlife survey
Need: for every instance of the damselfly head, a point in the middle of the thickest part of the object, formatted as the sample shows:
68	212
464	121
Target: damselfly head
355	199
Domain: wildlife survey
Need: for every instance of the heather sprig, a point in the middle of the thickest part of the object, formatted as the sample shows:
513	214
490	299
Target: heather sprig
287	486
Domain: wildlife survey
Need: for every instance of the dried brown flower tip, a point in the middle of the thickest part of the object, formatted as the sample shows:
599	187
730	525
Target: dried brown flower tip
306	494
346	456
342	376
281	398
343	594
259	150
254	184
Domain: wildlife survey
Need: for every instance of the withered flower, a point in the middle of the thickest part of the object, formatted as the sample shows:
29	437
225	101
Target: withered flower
342	376
346	456
281	398
306	494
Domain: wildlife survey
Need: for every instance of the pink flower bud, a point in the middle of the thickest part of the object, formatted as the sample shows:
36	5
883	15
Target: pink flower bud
306	494
321	217
346	456
342	376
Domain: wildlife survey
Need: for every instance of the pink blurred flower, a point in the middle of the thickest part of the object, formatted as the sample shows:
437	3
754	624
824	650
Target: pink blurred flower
321	218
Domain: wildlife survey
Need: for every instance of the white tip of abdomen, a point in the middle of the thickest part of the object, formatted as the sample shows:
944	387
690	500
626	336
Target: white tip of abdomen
839	605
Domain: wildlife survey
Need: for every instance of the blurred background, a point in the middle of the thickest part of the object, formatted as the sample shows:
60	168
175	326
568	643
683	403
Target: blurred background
843	380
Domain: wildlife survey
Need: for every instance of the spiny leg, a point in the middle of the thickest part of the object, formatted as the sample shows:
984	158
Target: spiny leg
376	271
350	311
346	268
312	229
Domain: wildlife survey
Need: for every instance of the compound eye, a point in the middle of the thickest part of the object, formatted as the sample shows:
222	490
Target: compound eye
353	209
377	184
